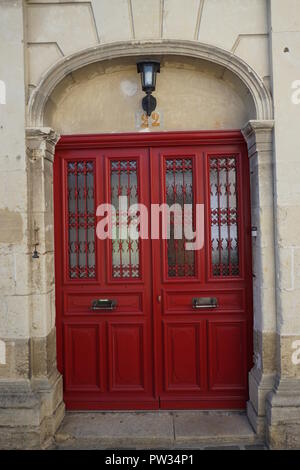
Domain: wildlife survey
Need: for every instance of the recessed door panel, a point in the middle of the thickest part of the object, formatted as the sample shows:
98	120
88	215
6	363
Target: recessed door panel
184	353
127	304
228	364
126	353
84	344
179	301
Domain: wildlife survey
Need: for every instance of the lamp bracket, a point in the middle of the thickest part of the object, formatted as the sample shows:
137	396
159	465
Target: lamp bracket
149	104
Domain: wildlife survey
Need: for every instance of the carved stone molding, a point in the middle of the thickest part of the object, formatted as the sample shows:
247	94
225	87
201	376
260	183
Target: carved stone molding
259	136
41	142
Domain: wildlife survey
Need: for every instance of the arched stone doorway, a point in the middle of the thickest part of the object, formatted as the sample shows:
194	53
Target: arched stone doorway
258	133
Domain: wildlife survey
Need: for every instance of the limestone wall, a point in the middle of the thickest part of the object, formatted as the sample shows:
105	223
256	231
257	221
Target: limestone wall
56	29
37	35
15	287
106	97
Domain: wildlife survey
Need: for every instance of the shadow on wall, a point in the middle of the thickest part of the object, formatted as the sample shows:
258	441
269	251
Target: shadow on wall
191	94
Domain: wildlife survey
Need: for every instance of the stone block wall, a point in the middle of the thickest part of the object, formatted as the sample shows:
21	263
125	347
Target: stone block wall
36	36
57	29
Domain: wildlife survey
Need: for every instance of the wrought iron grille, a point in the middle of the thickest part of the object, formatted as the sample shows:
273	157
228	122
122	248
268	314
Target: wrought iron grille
224	216
125	250
81	219
179	190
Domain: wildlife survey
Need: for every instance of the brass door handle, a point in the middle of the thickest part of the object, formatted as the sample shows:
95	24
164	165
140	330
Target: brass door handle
104	304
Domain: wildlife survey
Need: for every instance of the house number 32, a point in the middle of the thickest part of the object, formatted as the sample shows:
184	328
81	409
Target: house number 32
144	122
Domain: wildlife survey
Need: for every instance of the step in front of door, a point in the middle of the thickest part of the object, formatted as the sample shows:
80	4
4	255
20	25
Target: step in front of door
150	430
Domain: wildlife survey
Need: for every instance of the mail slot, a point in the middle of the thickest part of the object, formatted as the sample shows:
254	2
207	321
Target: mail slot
104	304
205	302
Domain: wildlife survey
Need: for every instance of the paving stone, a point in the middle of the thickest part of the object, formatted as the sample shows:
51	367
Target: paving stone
111	430
200	427
223	448
255	447
163	430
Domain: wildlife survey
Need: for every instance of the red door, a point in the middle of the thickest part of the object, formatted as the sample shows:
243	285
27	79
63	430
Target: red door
147	323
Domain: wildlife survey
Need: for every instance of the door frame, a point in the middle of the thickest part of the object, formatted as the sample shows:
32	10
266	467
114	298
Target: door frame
151	139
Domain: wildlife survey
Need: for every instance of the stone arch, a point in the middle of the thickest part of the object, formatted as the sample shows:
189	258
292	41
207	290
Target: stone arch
258	135
259	92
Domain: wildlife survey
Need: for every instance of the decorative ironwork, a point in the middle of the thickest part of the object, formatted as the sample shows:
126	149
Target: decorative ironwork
179	190
224	216
125	251
81	219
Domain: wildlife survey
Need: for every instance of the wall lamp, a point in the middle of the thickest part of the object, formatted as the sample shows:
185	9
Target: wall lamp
148	70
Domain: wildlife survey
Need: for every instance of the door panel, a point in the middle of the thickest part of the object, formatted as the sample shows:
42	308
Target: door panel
108	355
74	303
126	356
154	349
180	301
228	367
84	344
203	353
185	354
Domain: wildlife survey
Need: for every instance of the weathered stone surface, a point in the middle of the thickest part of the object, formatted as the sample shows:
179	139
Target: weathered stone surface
231	18
195	427
283	414
104	430
30	412
163	429
119	29
14	316
255	447
179	21
224	101
261	378
146	17
43	352
71	25
265	350
257	422
147	20
223	448
289	355
11	227
260	384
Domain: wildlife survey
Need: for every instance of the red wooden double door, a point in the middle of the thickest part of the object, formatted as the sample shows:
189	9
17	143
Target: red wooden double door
147	323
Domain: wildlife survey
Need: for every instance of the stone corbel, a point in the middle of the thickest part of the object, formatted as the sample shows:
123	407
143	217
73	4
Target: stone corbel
259	136
41	142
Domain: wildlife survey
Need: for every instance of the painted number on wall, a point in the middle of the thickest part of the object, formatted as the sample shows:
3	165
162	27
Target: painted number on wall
148	122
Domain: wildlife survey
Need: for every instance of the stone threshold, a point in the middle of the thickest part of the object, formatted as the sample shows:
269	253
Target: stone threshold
157	430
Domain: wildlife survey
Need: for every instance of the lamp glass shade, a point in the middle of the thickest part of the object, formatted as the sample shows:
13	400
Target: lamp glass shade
148	77
148	71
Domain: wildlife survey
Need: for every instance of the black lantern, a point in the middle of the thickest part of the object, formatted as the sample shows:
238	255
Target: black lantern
148	70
